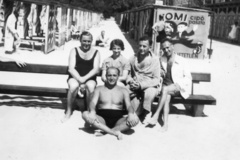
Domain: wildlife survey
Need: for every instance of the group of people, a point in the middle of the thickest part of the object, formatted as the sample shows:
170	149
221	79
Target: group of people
130	86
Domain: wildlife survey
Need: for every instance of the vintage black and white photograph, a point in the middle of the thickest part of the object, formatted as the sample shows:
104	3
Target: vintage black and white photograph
119	79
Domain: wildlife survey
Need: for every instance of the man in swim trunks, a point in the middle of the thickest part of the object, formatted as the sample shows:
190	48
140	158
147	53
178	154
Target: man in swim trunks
109	105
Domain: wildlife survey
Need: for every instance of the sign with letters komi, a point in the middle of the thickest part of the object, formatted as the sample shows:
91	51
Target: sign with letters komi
188	30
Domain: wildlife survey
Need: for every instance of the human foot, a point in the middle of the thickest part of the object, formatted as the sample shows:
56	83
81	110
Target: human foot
152	121
164	128
66	117
146	117
119	135
98	133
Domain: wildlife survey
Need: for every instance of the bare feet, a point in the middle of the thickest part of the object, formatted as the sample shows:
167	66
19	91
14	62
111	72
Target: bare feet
98	133
147	117
152	121
164	128
119	135
66	117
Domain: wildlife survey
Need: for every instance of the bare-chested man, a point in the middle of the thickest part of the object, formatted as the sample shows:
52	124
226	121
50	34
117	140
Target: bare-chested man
107	107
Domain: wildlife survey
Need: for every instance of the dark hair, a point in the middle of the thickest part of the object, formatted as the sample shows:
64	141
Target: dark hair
160	17
113	68
85	33
16	8
236	23
183	23
146	38
166	40
172	24
117	42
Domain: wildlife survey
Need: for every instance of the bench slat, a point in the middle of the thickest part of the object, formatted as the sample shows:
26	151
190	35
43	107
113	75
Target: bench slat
34	68
201	77
34	91
196	99
56	69
193	99
62	92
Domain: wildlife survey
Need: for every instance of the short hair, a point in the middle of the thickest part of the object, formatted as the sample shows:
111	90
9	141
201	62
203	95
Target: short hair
236	23
160	17
171	24
183	23
166	40
146	38
113	68
117	42
86	33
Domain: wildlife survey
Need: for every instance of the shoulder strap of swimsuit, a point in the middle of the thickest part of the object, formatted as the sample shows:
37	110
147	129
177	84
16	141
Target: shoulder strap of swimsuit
95	54
76	51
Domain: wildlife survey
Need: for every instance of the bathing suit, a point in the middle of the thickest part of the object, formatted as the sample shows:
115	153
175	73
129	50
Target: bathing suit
83	66
111	116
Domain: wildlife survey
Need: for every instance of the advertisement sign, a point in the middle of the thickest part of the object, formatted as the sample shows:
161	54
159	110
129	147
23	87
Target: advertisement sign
188	30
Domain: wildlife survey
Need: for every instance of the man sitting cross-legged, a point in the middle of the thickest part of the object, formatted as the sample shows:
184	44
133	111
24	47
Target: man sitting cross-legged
106	109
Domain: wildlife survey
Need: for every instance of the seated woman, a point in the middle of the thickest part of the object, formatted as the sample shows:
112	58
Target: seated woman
118	61
102	40
83	67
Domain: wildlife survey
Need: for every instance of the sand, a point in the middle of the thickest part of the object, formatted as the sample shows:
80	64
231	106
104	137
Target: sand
30	127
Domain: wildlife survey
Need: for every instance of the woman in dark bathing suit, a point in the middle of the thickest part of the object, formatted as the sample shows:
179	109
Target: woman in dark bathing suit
84	64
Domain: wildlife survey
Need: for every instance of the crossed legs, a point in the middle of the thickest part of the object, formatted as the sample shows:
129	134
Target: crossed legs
164	102
121	125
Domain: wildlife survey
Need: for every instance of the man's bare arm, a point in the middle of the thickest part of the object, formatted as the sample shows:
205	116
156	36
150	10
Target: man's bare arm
127	101
92	107
94	100
132	119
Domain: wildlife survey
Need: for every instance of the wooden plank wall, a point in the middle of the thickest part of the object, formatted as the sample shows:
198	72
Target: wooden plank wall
223	19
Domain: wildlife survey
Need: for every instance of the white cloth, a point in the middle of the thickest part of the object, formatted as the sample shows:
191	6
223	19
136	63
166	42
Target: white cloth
159	26
180	74
9	32
233	33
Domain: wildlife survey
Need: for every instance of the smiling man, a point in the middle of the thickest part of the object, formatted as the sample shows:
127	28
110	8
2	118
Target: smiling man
177	81
108	106
144	79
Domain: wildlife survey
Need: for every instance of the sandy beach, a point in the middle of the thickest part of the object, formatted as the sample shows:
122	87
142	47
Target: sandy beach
31	128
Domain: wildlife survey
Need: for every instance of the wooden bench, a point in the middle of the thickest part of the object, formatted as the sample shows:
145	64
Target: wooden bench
32	42
197	101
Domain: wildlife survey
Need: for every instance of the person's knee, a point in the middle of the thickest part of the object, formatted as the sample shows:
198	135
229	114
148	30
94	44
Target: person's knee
73	86
90	87
165	90
84	115
150	93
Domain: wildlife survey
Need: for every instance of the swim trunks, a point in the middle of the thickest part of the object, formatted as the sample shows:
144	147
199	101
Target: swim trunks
110	116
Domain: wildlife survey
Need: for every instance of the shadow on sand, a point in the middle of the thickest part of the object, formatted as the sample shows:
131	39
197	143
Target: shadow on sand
39	101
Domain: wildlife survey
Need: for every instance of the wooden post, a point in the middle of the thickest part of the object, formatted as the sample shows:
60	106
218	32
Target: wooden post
50	29
197	110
